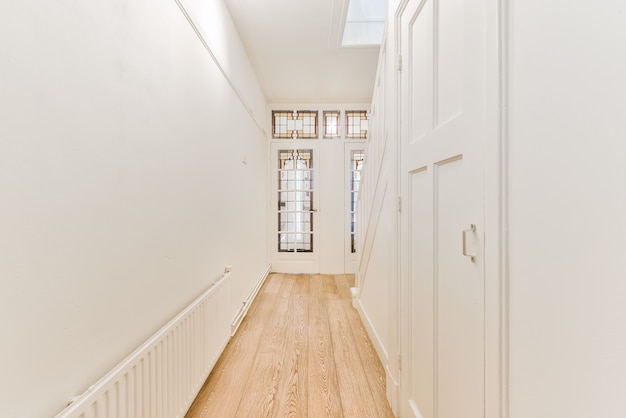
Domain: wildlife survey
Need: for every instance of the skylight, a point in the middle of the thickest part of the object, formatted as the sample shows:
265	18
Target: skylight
365	22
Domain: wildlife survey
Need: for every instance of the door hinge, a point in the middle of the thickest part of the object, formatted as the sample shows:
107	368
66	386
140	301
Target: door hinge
399	63
400	204
399	361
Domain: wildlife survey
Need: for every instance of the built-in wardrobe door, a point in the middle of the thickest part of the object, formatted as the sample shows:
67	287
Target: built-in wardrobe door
443	103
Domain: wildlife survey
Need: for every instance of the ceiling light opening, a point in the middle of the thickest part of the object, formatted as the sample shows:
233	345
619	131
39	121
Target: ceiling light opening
364	23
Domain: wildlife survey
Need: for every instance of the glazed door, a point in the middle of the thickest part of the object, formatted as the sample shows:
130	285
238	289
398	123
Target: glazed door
294	198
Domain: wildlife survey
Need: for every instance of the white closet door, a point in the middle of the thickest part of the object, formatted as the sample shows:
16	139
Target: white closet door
442	88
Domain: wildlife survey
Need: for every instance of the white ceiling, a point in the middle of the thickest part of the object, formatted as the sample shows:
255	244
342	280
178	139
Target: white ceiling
294	47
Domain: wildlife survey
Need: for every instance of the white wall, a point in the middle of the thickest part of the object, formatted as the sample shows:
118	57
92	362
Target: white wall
122	185
567	209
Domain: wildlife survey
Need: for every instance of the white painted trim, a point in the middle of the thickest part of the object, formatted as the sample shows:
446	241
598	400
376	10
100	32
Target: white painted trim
393	392
392	386
371	331
245	305
354	293
504	20
496	220
371	230
395	88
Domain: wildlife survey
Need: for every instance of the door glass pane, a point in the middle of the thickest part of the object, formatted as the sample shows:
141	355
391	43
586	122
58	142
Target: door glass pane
356	165
295	201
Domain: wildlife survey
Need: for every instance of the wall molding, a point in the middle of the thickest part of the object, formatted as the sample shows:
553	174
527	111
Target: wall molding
393	391
247	106
371	227
504	26
372	231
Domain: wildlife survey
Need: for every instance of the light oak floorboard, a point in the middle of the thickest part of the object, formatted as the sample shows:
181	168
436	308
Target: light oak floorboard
222	392
374	370
301	351
262	386
322	377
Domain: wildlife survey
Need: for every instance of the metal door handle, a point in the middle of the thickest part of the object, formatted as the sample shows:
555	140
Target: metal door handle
465	246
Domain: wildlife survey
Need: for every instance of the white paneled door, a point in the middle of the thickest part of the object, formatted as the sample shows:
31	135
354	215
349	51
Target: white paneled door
442	106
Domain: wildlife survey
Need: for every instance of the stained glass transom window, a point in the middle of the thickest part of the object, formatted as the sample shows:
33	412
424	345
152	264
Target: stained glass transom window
357	124
296	124
332	124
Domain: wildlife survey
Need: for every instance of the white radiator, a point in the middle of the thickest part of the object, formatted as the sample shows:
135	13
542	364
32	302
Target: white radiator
163	376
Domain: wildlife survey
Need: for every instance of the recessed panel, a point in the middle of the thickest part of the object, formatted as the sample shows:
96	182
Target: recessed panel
421	290
458	300
450	62
420	77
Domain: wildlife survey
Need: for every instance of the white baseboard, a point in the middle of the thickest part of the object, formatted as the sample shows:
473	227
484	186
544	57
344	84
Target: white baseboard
392	386
354	292
376	341
245	305
393	392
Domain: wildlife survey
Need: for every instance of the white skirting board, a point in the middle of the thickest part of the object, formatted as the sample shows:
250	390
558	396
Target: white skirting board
393	392
376	341
245	305
392	386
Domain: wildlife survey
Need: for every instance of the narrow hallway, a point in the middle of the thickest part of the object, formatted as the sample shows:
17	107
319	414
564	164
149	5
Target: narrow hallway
301	351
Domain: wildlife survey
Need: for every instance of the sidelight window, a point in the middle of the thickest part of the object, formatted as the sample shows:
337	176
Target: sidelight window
356	165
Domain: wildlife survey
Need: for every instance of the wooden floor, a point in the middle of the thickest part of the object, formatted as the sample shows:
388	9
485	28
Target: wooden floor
302	351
